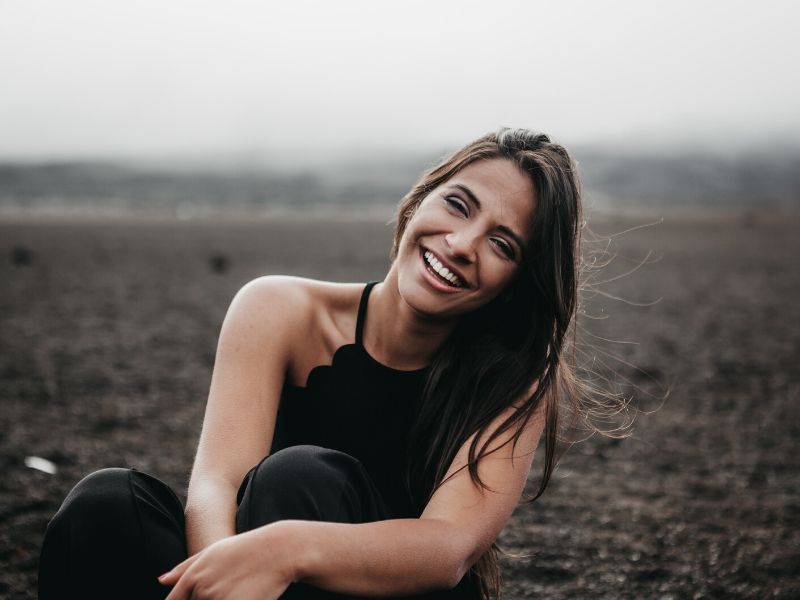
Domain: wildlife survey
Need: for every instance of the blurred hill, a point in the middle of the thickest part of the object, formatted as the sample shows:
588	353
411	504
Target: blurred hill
616	180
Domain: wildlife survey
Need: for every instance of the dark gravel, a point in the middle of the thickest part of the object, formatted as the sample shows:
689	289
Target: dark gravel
107	339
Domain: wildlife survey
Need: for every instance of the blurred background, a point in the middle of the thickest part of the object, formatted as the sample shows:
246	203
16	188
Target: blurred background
156	156
190	108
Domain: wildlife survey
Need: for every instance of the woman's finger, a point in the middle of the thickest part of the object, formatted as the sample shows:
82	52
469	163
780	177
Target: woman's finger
182	591
183	585
173	575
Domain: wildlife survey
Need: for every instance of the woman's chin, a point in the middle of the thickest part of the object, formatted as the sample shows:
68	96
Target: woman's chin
424	301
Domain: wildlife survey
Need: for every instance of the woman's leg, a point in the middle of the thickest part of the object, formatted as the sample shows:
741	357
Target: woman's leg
310	483
117	530
317	484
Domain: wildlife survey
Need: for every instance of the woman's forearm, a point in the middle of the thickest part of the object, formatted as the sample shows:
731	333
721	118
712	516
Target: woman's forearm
210	514
393	557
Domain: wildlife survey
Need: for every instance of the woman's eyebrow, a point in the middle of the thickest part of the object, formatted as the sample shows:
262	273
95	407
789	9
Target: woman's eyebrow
474	199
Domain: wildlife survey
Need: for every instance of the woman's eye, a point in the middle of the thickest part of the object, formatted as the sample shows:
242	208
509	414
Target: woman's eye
457	204
504	247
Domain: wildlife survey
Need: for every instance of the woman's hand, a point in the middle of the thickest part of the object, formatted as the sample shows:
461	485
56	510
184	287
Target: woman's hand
243	567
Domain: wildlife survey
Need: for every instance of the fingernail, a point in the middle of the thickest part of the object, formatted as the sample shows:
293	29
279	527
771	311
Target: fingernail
160	577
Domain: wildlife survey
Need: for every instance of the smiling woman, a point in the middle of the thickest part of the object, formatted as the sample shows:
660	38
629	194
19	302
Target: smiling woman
467	229
364	440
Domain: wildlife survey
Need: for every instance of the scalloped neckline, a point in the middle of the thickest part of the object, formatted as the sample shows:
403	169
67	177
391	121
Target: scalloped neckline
387	367
358	344
313	373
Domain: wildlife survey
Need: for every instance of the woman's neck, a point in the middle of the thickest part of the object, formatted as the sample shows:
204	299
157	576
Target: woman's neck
398	336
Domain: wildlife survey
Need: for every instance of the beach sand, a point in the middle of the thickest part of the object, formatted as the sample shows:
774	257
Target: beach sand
107	339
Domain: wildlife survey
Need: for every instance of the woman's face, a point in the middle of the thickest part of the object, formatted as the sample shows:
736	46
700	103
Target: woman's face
465	241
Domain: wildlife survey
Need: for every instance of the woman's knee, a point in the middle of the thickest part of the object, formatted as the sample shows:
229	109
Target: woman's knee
304	471
303	482
98	512
306	465
99	497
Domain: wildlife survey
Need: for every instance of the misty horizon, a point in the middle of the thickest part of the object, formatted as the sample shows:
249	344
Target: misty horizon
91	80
657	182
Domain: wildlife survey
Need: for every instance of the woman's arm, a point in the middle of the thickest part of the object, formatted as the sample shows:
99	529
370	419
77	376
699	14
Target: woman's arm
251	361
399	556
405	556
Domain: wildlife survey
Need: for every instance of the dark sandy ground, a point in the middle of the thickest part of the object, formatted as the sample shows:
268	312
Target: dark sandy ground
107	339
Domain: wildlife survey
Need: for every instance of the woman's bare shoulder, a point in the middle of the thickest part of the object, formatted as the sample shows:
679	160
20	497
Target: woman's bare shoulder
298	303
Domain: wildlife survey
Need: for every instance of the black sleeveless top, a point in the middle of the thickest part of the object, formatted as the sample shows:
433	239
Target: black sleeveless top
358	406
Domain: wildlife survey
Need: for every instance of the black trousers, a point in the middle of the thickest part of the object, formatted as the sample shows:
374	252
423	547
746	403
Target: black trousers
118	529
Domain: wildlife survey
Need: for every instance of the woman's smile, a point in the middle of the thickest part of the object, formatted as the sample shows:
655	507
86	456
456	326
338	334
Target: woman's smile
440	274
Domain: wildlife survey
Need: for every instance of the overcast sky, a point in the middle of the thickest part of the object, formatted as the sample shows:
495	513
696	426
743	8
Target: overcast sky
156	78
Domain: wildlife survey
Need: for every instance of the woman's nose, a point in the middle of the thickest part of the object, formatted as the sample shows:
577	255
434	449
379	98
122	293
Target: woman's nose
461	245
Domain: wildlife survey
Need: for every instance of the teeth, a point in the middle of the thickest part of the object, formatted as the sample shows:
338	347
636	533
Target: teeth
440	269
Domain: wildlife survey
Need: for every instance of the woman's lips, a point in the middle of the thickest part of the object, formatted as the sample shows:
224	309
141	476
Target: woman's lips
434	279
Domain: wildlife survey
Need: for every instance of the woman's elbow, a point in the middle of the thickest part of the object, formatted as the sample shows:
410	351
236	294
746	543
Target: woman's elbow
453	575
460	565
457	548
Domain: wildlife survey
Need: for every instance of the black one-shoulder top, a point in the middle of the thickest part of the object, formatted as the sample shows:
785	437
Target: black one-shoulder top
358	406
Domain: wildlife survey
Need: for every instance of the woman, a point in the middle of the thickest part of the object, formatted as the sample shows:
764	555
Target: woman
398	419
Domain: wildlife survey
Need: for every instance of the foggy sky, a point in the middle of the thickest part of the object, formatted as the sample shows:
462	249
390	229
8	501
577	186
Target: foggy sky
161	78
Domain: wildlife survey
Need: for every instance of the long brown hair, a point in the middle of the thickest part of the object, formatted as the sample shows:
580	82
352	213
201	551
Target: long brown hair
496	353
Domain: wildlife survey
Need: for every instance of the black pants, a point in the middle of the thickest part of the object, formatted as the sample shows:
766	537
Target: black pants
118	529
